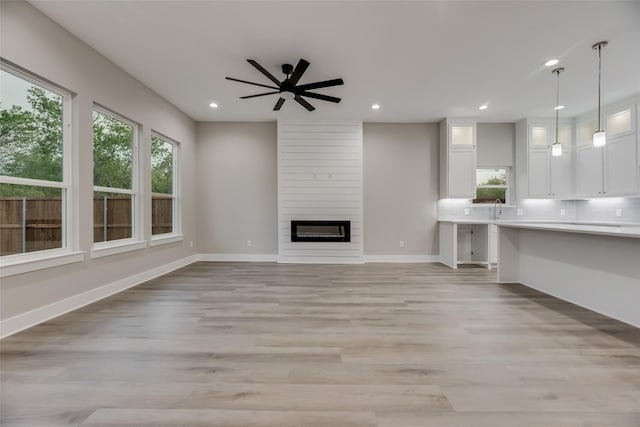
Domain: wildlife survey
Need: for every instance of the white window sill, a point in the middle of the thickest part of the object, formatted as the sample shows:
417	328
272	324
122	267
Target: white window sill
12	265
103	249
162	239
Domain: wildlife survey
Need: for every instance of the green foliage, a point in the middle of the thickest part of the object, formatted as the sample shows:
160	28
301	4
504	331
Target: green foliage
31	140
489	195
112	152
161	166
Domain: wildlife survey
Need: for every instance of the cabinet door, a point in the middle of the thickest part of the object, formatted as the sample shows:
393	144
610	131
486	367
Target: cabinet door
561	175
621	178
589	171
462	173
539	173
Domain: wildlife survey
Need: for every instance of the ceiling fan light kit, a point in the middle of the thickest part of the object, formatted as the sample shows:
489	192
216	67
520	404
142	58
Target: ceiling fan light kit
289	88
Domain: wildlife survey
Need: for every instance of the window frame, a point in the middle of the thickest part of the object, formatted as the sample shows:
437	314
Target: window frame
136	241
69	238
507	187
176	233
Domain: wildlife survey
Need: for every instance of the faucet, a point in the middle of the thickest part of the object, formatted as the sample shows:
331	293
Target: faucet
497	206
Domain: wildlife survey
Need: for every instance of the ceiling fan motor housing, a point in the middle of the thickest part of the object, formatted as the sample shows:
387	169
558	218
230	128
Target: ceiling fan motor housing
287	69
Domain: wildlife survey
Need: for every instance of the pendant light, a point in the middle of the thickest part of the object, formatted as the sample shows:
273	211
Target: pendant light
599	136
556	148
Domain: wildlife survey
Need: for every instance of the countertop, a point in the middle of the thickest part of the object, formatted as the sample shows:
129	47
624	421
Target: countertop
616	229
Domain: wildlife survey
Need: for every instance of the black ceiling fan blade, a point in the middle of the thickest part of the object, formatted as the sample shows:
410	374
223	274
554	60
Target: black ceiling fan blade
298	71
278	104
318	85
304	103
320	96
263	71
252	83
259	94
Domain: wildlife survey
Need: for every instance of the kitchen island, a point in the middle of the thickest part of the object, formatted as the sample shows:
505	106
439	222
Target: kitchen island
594	266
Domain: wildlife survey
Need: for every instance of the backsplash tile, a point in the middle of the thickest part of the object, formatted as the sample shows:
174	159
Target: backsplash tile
598	210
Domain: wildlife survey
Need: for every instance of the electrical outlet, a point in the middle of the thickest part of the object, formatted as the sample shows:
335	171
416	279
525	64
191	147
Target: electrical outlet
520	212
466	211
402	243
563	212
191	243
249	243
618	212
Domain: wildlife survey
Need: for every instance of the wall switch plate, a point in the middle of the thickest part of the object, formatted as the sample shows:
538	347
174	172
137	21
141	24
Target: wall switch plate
191	243
618	212
563	212
466	211
249	243
402	243
520	212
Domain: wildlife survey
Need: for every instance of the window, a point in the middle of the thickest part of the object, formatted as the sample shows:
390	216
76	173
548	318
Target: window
35	167
164	153
492	184
114	177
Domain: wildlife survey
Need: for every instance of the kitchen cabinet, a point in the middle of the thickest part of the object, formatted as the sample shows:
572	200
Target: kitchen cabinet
539	174
457	159
612	170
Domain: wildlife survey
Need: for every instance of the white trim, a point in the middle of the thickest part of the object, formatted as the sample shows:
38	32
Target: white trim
401	258
113	247
321	260
238	257
11	265
112	190
31	318
161	239
33	182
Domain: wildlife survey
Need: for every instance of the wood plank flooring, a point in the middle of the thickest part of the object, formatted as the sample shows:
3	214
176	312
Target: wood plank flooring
387	345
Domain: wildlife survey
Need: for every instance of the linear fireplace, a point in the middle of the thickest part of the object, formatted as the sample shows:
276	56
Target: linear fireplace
320	231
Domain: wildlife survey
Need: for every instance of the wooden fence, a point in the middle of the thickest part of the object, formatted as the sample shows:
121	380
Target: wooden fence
30	224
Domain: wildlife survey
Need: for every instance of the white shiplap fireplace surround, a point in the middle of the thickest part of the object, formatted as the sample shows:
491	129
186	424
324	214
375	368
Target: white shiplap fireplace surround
320	178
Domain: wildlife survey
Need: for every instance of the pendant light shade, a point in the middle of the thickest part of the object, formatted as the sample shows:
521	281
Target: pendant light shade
556	148
599	136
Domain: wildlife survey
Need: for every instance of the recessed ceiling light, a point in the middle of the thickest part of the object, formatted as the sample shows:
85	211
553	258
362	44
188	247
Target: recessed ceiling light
483	107
375	107
551	62
559	107
213	105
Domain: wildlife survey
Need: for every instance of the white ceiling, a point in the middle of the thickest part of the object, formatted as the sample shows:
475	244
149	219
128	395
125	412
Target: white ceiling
421	61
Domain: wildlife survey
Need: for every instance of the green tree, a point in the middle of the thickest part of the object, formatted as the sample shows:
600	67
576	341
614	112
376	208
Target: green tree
161	166
31	142
112	152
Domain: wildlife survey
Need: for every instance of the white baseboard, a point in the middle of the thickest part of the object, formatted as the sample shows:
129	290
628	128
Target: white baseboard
238	257
31	318
320	260
402	258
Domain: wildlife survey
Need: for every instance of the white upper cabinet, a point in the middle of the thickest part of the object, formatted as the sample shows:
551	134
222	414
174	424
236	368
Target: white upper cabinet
611	170
539	174
457	159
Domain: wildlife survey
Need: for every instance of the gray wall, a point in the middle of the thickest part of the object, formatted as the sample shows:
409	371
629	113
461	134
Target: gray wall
34	42
401	170
237	188
496	143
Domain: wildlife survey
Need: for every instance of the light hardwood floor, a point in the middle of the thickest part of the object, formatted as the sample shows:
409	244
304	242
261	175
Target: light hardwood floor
388	345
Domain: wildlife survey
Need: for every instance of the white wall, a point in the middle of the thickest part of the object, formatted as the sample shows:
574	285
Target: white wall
495	144
31	40
319	178
401	173
237	188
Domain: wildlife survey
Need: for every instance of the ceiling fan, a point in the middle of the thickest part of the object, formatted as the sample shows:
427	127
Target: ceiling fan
289	88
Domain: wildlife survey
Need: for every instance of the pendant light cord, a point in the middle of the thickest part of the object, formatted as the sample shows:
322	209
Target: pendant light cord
557	72
599	82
